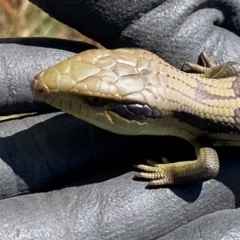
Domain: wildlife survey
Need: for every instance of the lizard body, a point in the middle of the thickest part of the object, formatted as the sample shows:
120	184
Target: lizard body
134	92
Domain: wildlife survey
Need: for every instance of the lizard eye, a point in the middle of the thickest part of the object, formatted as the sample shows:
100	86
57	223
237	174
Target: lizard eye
96	101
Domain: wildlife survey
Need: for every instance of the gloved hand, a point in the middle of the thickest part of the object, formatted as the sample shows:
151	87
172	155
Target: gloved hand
81	176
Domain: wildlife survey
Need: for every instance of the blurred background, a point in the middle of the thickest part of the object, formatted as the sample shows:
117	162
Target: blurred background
18	19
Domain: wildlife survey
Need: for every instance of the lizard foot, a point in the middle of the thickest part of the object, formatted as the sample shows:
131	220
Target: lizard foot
205	167
211	70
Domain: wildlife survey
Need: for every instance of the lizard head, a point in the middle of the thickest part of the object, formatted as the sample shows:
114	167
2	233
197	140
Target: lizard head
108	88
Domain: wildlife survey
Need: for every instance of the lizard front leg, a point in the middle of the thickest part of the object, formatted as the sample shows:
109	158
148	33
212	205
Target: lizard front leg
211	70
205	167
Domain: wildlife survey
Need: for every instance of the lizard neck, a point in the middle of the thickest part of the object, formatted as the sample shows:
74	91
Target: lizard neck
200	101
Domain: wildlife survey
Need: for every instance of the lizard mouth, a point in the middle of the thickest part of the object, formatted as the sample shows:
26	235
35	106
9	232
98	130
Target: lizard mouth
127	110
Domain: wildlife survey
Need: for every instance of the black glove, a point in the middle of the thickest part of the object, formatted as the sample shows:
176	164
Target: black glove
91	168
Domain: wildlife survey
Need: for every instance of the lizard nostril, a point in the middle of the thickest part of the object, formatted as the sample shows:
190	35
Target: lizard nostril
39	89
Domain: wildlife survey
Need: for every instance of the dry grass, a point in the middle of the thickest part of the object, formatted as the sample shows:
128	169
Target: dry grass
20	18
